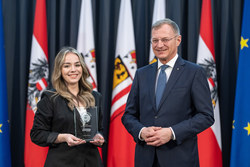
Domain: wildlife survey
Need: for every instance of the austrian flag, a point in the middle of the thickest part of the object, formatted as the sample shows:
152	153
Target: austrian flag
38	82
209	141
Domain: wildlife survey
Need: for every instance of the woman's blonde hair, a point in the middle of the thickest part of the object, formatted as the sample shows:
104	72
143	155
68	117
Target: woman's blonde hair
85	88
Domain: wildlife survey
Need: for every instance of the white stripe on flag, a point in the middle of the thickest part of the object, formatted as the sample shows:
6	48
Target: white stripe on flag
36	52
119	103
204	53
85	41
121	86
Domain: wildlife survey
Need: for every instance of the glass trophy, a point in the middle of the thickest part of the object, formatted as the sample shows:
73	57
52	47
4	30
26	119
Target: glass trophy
86	126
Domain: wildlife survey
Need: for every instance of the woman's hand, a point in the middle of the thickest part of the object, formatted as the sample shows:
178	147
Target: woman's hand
98	140
70	139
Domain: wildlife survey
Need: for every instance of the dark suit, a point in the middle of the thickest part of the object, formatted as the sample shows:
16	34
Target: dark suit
53	117
185	106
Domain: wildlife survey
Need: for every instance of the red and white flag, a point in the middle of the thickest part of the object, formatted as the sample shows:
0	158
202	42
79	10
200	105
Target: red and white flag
38	82
85	42
121	146
209	141
159	13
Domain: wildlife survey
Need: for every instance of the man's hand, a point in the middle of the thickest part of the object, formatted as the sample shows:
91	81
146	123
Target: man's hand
149	132
159	137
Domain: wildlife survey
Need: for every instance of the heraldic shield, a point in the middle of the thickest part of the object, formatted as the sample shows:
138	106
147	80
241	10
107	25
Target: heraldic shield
86	123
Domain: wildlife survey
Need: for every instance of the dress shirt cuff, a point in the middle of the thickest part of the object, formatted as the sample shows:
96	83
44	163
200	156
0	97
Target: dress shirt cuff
140	134
173	135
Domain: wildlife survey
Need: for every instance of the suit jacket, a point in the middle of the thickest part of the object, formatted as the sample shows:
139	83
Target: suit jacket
53	116
185	106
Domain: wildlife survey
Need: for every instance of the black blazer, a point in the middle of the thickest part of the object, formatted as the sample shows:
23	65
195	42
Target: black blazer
185	106
53	116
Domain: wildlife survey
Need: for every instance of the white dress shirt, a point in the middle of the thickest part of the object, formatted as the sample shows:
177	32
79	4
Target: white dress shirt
168	71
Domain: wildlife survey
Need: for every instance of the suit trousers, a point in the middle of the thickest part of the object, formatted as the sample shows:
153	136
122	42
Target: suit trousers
156	162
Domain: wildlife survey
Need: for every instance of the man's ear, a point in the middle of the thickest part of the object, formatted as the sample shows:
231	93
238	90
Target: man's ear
178	40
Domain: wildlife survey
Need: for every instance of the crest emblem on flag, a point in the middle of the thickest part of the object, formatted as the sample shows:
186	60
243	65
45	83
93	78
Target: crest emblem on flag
120	72
210	68
90	61
90	58
129	61
38	81
153	61
124	67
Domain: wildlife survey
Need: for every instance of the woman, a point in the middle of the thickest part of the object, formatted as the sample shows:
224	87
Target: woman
59	111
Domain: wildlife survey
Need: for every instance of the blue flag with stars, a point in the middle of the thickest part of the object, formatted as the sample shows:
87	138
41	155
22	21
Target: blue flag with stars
240	149
4	123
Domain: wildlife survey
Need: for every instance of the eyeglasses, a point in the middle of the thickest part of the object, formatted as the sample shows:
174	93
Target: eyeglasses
163	40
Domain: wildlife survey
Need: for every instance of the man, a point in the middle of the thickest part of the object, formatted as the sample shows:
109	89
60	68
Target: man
168	105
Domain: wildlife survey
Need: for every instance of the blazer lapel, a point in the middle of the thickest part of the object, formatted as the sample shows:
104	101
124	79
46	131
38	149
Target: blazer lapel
177	70
151	80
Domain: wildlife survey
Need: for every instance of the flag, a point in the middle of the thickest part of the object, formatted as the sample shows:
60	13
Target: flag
121	146
159	13
85	42
5	159
240	149
38	81
209	141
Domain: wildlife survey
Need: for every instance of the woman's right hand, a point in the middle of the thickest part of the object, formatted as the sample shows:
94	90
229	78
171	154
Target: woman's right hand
70	139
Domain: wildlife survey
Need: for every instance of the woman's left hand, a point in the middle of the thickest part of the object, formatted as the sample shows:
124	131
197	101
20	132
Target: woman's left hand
98	140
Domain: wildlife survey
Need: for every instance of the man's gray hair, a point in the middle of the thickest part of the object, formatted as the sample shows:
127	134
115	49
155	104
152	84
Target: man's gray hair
169	22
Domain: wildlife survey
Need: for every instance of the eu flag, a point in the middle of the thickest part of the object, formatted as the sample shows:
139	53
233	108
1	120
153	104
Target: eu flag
240	149
4	124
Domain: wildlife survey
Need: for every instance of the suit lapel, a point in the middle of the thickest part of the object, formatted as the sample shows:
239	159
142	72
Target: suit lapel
177	70
151	79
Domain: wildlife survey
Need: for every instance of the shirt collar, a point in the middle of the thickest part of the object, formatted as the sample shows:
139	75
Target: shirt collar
170	63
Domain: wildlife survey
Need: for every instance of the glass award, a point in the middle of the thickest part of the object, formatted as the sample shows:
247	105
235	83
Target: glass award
86	126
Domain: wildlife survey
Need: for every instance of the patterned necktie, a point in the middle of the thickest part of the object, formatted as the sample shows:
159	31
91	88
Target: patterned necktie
161	83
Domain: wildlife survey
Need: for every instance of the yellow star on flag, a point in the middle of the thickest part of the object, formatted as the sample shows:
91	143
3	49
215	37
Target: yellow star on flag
248	128
243	43
233	124
0	128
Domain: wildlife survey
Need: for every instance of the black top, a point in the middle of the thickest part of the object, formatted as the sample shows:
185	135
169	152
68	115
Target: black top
53	116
